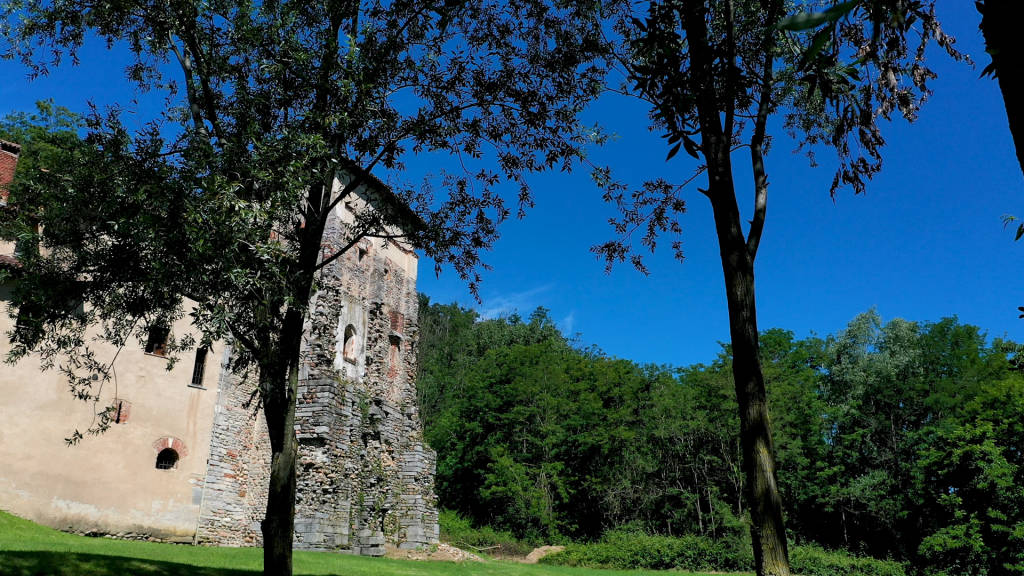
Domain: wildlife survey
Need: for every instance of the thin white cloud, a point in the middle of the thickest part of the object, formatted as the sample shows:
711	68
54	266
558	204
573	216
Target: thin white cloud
504	304
566	324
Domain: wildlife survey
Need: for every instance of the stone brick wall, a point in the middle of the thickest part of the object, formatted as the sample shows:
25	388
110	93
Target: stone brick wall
365	477
238	472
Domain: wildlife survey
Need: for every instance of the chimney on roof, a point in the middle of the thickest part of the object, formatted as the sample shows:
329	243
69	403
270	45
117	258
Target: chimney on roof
9	152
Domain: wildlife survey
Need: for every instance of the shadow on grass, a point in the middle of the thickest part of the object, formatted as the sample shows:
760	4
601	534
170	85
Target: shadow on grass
74	564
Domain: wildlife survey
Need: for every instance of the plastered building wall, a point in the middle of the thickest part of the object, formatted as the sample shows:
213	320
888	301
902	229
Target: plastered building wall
106	484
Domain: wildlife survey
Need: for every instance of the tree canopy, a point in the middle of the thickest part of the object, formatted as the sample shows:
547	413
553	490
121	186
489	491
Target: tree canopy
224	196
894	439
713	74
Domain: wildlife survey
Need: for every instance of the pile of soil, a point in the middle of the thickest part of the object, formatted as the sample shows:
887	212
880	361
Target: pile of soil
449	553
538	553
440	552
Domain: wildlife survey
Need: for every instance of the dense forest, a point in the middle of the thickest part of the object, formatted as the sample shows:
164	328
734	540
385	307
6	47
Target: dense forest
895	439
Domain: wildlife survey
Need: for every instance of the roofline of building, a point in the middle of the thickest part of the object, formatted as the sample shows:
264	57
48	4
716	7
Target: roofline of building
407	215
10	147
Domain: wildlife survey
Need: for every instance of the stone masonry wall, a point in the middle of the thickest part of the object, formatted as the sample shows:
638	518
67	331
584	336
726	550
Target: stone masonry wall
365	477
238	472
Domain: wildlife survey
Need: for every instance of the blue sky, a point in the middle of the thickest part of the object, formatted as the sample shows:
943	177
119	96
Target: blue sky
925	242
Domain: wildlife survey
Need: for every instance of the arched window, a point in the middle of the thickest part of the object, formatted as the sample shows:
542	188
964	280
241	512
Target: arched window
166	459
349	347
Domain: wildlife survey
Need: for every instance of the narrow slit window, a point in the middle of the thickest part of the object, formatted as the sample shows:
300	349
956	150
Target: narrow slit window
122	411
166	459
395	344
156	344
200	367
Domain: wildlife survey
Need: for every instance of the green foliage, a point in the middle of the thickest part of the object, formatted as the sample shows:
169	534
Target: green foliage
973	483
896	439
633	550
921	453
529	430
807	20
626	550
459	531
816	561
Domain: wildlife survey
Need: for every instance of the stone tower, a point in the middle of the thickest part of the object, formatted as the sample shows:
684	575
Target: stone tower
365	477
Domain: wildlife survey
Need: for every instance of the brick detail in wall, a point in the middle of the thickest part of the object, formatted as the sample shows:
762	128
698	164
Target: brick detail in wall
238	471
397	321
173	443
122	411
8	162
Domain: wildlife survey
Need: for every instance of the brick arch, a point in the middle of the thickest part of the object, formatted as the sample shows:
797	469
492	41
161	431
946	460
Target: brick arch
173	443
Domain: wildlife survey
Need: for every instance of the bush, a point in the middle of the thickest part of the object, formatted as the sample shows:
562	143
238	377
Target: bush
630	550
458	531
815	561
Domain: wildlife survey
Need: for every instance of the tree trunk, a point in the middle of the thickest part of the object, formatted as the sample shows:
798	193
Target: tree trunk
999	26
767	529
280	389
278	525
279	408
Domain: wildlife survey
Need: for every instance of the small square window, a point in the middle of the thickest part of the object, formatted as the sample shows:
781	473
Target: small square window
156	344
28	323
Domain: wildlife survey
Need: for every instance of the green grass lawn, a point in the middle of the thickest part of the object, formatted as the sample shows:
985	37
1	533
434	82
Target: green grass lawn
27	549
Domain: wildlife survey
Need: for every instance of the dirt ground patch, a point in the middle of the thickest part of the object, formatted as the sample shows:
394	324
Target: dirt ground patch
440	552
534	556
449	553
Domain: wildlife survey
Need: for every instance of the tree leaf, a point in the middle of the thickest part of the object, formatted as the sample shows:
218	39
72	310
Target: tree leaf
820	40
691	147
673	151
802	21
839	10
808	20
